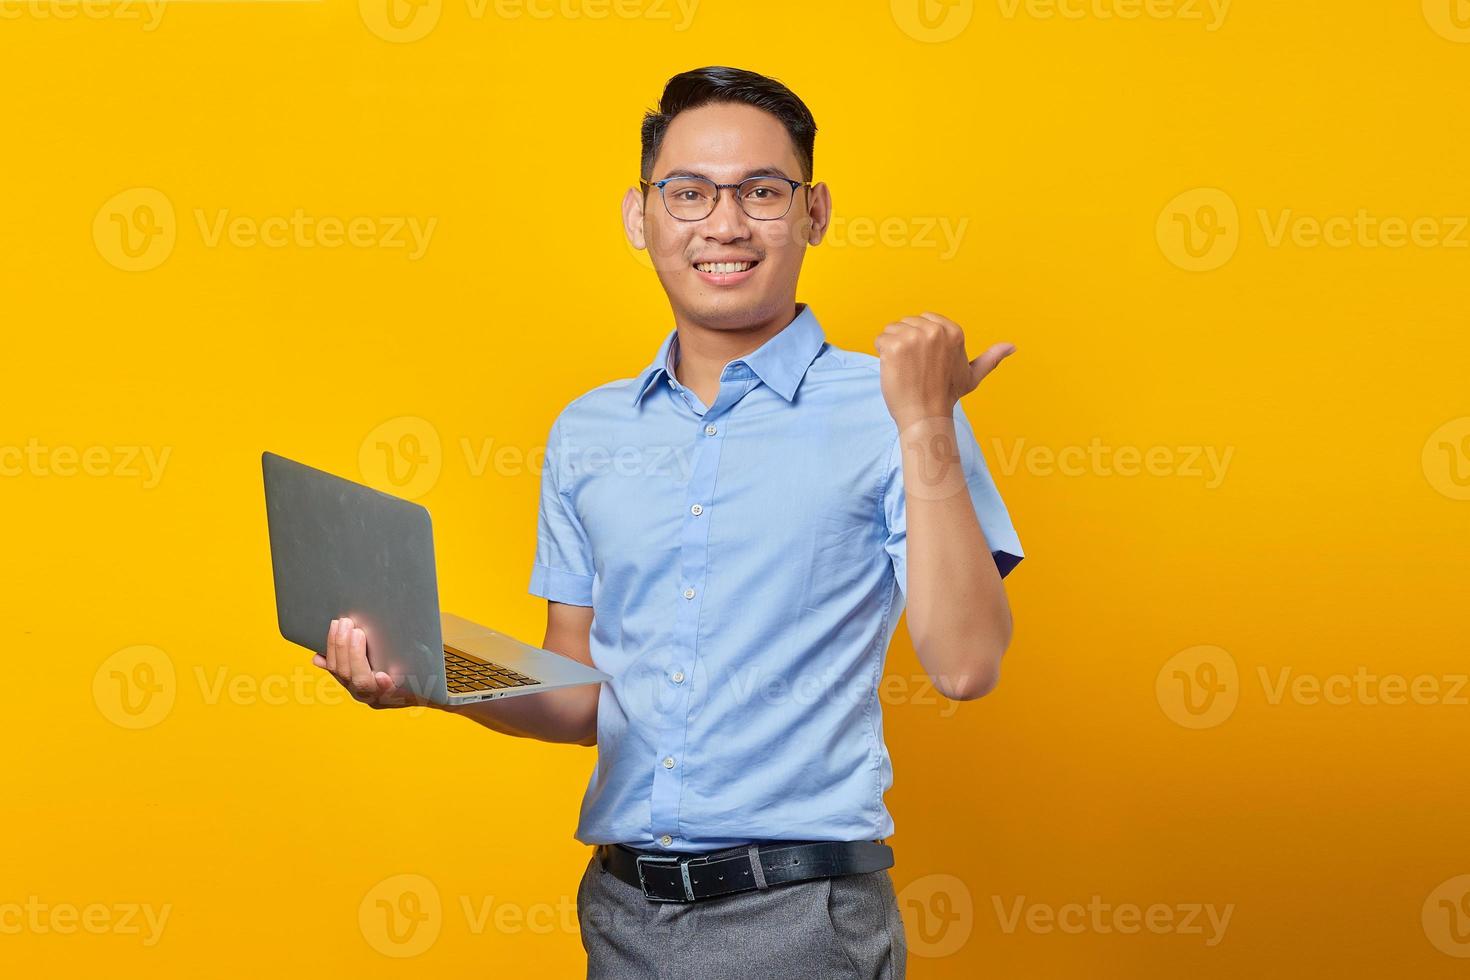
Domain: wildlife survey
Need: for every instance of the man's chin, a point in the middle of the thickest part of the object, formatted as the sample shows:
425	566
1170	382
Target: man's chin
730	312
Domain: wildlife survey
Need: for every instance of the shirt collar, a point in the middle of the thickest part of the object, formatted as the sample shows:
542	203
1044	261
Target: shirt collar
780	362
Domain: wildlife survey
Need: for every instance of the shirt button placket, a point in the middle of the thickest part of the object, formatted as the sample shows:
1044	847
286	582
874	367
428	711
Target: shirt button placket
693	553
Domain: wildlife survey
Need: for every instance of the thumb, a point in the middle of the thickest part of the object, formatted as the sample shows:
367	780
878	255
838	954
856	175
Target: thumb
986	362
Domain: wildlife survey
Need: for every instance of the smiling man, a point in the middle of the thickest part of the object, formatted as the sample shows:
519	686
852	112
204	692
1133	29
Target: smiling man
732	534
745	605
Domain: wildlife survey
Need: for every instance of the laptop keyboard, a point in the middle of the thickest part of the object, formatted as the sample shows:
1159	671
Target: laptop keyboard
467	674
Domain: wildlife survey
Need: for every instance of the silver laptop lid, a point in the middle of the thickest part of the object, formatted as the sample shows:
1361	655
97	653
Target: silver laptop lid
339	548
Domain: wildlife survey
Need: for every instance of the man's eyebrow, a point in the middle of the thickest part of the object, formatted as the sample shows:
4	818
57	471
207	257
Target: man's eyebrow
753	172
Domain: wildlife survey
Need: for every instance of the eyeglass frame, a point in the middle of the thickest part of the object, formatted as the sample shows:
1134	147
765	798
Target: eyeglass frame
718	187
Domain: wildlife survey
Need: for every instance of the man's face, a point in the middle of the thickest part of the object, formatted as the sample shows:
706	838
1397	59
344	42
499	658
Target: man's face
727	142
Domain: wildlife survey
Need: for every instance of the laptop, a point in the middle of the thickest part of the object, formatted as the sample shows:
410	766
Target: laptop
339	548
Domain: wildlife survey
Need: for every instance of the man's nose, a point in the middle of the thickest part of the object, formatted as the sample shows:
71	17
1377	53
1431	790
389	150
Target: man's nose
728	219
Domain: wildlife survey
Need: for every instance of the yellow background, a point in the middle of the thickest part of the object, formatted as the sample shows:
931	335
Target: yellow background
1336	539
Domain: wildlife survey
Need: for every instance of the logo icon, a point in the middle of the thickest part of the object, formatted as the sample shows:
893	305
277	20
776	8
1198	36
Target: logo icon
640	255
932	21
402	457
1450	19
1446	917
400	21
401	916
135	229
1198	687
942	461
135	687
645	256
1199	230
1446	459
938	915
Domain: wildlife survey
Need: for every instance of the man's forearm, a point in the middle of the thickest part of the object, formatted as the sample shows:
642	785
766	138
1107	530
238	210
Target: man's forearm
958	615
567	715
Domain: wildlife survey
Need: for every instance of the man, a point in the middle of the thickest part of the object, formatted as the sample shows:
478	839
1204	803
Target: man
732	535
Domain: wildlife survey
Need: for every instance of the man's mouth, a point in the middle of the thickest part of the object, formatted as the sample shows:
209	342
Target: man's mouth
724	268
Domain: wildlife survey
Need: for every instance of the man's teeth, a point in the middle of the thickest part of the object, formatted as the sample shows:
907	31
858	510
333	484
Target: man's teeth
722	268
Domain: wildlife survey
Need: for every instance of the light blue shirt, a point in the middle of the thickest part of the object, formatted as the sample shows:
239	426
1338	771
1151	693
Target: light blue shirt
745	564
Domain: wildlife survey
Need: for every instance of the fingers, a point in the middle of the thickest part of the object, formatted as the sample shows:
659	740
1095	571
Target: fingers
928	321
348	661
346	658
331	654
343	667
988	361
358	671
925	323
943	321
390	693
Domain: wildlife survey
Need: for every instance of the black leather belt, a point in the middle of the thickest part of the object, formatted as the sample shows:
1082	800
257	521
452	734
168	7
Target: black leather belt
690	877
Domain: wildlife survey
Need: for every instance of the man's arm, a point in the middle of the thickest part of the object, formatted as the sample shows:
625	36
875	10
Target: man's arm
567	714
958	615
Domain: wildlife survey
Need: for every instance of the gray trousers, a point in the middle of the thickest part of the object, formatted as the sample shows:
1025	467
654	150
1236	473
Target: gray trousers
846	927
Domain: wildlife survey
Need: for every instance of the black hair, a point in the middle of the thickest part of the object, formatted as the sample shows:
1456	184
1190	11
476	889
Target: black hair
702	86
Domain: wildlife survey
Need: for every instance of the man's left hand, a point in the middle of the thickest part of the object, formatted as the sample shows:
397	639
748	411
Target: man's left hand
923	369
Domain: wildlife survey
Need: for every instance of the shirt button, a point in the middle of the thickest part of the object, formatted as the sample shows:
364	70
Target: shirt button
666	840
668	762
689	593
710	430
696	510
677	677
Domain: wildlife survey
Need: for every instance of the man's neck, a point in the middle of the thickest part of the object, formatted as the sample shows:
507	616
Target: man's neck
702	352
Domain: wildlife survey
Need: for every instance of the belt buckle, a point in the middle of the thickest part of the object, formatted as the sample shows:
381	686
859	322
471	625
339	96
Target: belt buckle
668	859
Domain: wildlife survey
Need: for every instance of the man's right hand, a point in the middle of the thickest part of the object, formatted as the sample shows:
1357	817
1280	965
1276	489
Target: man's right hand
347	661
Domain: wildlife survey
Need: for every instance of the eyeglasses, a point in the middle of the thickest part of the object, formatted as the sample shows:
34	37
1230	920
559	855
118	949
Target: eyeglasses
764	198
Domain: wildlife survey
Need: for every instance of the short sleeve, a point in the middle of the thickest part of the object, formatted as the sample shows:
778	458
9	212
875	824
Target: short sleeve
562	570
995	521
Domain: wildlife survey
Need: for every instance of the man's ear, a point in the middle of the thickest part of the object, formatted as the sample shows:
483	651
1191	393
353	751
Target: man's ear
819	213
633	218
